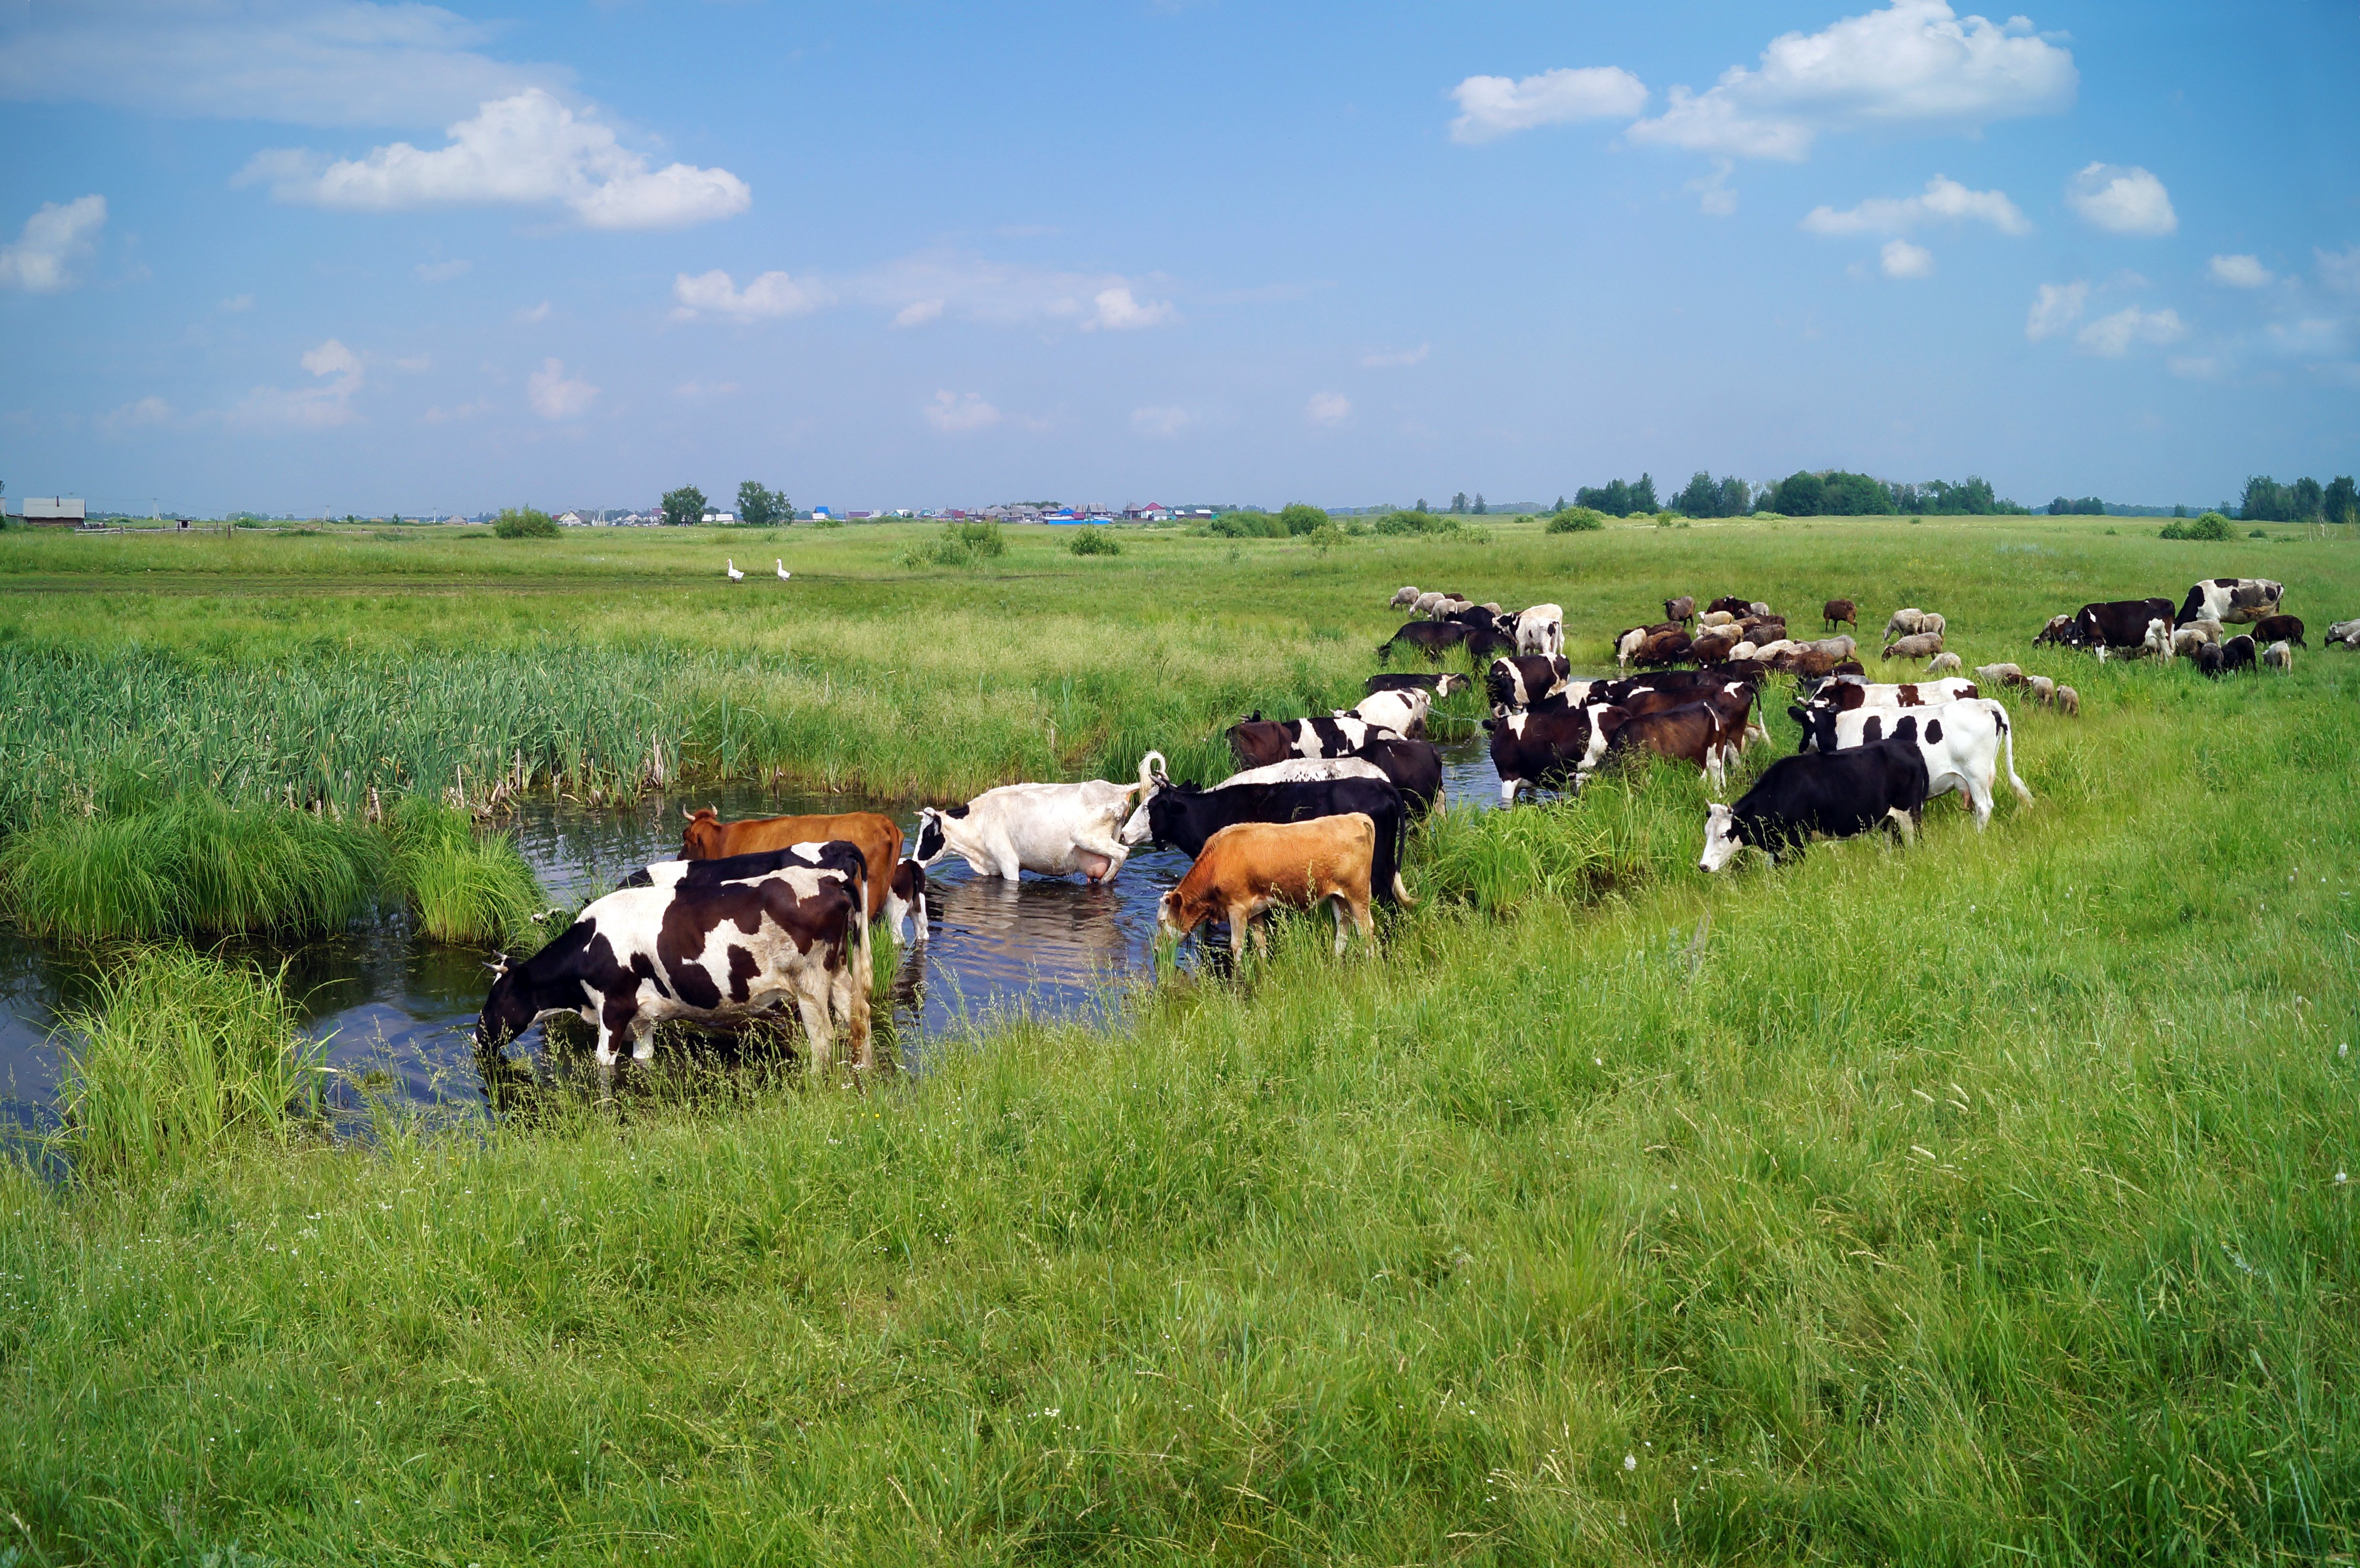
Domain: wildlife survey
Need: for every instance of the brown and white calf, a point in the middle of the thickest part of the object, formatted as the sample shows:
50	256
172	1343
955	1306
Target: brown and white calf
1250	867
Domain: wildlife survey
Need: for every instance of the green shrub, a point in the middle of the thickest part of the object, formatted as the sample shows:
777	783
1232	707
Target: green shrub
195	864
1575	520
2258	533
524	522
2211	526
959	545
1300	517
1401	523
1326	537
177	1054
1092	539
1247	525
460	887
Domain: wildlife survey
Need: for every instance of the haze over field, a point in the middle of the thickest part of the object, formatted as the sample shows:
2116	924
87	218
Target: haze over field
313	255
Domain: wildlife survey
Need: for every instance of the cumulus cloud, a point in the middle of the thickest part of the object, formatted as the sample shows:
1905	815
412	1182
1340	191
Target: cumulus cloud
2339	269
771	294
1394	359
2121	200
1161	421
1329	409
2111	337
42	259
957	412
1492	106
312	62
1119	311
918	312
2238	271
524	151
1916	64
2055	308
339	372
1902	259
1944	199
556	395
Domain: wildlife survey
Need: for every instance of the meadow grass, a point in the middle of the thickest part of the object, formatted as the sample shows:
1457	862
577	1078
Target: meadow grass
463	886
1981	1202
177	1055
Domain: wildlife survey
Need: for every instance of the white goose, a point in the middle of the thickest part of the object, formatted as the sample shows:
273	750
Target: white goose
734	575
783	573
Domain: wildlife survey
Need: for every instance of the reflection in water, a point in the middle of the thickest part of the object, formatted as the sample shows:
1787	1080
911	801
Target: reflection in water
398	1012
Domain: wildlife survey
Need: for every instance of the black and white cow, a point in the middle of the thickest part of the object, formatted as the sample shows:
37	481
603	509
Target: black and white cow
1051	829
708	953
1817	795
1844	693
1441	685
2121	624
1525	679
908	898
1963	744
1556	747
1182	816
2232	599
1403	712
1259	741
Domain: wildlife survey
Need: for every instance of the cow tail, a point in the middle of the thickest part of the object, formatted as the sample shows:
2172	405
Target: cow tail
864	975
1400	852
2007	738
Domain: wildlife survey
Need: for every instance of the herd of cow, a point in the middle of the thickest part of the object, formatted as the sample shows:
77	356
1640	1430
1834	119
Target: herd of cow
759	912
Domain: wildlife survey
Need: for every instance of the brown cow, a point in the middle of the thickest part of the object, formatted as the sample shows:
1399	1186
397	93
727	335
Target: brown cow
878	838
1247	867
1697	733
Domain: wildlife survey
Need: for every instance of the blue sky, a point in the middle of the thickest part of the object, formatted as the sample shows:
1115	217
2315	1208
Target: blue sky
307	255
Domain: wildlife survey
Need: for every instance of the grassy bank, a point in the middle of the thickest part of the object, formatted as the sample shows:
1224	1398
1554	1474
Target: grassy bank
1959	1205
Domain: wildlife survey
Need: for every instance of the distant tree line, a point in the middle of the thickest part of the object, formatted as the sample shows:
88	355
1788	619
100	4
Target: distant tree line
2088	506
2305	500
1619	498
1828	492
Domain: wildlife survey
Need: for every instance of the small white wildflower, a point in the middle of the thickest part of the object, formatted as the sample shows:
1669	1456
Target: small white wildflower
1630	1462
2341	1178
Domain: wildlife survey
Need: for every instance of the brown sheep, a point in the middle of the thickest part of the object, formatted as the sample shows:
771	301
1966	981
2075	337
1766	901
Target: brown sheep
1836	612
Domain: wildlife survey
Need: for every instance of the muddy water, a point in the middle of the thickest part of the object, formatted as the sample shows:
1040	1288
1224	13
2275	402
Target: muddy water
396	1010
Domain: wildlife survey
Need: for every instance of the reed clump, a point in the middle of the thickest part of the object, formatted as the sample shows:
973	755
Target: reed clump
462	888
179	1054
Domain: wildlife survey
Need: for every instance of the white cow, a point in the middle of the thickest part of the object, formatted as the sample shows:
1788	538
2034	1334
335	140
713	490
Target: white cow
1055	829
1835	692
1541	629
1962	741
1401	711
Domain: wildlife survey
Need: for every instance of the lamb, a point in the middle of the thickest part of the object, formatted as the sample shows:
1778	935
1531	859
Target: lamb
1943	664
2000	676
2068	702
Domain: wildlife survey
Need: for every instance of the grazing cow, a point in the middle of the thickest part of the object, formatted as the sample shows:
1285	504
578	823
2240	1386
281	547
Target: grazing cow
2001	674
1404	596
710	954
1403	712
2068	702
2232	599
2116	623
1944	664
2211	660
1441	685
909	900
1731	604
2279	628
1544	746
1414	766
1914	623
1843	694
878	837
1480	617
1525	679
1840	612
2237	654
1248	867
1294	770
1055	829
1258	740
1963	743
1916	645
1682	610
1701	734
2058	630
2280	656
1541	629
1485	643
1431	638
1815	795
1184	817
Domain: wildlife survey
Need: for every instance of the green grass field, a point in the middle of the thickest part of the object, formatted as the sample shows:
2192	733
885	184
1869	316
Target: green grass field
1982	1202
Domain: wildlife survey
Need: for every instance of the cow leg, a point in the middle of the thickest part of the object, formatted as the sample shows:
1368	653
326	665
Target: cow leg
811	1004
1241	916
1361	921
1978	797
618	1022
1336	908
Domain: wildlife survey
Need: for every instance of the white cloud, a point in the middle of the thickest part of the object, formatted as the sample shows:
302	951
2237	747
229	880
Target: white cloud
2054	309
440	271
524	151
771	294
1328	408
1119	310
533	314
555	395
1714	198
1902	259
1915	63
307	407
41	261
2238	271
2121	200
2339	269
314	62
918	312
2312	337
237	303
1492	106
146	412
952	411
1394	359
1161	421
1943	199
2111	337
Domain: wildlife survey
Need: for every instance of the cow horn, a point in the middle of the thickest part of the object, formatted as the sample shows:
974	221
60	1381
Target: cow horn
499	964
687	813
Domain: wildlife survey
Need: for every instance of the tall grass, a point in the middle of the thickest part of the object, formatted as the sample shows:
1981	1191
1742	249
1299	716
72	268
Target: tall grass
462	887
192	864
179	1054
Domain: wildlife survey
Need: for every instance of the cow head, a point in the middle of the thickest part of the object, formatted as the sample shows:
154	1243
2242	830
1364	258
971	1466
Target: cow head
1721	841
933	842
508	1012
1169	915
1444	685
702	839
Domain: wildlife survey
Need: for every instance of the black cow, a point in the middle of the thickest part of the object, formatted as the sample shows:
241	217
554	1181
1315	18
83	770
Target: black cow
1431	638
2237	654
1441	685
1414	766
2117	623
1815	795
1183	816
